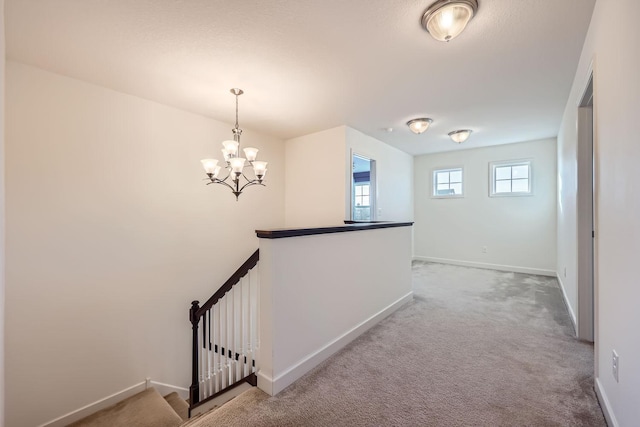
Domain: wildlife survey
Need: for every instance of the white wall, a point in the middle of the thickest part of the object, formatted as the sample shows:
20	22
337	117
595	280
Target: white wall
394	171
2	214
519	232
312	296
612	45
318	182
111	233
315	176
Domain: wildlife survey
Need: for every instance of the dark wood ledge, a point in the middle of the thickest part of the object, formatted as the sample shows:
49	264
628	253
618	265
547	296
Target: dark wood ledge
280	233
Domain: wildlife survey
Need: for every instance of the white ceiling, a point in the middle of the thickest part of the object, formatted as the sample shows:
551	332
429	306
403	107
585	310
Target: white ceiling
310	65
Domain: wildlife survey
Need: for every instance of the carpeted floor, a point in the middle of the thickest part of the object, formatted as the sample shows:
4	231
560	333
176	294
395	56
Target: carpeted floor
475	348
145	409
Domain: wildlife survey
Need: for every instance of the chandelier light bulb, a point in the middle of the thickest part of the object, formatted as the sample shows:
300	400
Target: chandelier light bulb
237	164
209	165
231	147
259	168
251	153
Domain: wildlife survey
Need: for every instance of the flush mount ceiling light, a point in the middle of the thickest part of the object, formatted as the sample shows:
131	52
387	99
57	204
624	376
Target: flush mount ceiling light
460	136
446	19
418	126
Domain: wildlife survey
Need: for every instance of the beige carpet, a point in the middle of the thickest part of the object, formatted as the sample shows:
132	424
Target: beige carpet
474	348
145	409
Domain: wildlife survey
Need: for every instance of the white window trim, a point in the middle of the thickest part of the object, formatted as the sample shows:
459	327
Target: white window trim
355	196
518	162
433	183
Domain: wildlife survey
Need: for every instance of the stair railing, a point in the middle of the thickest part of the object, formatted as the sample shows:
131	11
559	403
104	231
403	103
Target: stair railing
225	336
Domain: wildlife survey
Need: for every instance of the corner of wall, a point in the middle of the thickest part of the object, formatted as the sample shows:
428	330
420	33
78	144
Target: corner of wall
2	249
565	299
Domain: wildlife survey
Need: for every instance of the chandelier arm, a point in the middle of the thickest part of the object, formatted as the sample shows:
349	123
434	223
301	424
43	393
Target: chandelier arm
247	179
225	178
217	181
250	183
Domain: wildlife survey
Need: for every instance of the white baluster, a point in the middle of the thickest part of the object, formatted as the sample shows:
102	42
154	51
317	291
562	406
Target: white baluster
203	357
209	356
232	336
229	337
243	325
239	330
223	342
256	320
212	340
218	356
247	337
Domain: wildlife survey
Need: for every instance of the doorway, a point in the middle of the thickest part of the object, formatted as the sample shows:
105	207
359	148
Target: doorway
363	188
585	216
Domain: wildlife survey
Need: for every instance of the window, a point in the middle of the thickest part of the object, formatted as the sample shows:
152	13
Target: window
511	178
447	182
362	195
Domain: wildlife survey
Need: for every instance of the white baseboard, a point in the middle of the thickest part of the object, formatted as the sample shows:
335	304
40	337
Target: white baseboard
572	314
487	266
273	386
112	399
605	405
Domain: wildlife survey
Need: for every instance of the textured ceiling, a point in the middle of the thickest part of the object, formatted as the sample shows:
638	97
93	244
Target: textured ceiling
309	65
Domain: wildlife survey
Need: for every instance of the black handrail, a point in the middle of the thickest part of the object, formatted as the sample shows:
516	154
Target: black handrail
196	313
235	278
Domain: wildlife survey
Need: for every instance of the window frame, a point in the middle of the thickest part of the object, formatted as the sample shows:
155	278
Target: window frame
434	182
355	195
510	163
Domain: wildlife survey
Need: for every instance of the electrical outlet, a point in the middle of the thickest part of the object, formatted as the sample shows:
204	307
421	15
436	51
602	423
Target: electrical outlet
615	363
484	249
565	272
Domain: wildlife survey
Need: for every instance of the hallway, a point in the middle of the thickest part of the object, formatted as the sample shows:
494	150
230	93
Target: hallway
475	347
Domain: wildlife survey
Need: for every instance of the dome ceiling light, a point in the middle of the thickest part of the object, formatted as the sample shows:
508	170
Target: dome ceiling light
446	19
418	126
460	136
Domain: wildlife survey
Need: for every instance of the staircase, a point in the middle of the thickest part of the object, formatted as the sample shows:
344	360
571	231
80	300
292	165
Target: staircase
225	337
149	409
224	350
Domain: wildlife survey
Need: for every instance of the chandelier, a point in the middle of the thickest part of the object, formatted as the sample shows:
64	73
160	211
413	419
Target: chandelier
234	164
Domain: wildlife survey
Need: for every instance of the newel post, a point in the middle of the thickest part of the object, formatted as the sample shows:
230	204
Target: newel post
194	390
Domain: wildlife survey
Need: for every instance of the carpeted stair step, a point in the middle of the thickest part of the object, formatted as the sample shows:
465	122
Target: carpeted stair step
145	409
179	405
227	414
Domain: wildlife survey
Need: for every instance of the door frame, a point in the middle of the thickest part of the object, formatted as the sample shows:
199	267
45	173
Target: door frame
585	214
373	185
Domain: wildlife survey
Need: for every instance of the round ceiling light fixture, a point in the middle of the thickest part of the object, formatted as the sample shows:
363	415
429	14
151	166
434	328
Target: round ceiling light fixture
446	19
418	126
460	136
